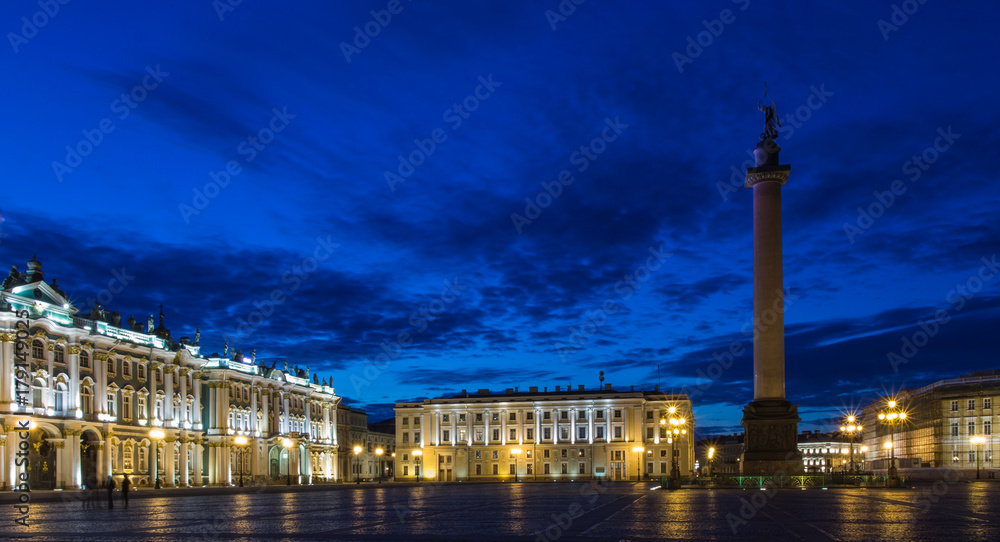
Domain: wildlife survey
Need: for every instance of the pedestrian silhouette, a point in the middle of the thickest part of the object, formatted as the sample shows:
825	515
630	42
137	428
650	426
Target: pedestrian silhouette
126	484
111	492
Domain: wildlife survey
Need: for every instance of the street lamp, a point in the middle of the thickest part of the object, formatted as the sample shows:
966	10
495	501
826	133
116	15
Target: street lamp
240	441
417	454
978	441
156	435
287	443
357	460
892	416
711	456
850	428
676	430
638	462
378	453
393	466
517	453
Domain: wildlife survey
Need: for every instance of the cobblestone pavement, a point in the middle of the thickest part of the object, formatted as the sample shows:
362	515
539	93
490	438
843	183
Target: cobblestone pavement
525	511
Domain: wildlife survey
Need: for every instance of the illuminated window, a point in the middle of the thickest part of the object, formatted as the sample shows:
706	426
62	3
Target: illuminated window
127	458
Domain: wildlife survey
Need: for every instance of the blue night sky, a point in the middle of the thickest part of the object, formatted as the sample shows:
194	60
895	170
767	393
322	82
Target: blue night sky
278	180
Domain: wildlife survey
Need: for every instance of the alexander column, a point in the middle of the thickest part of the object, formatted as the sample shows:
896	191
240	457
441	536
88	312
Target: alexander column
770	421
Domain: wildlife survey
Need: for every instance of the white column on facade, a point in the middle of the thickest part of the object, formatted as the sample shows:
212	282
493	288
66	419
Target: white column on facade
308	423
454	428
169	447
168	393
572	426
538	425
423	429
182	376
72	354
153	371
607	418
486	427
326	431
185	467
656	426
286	419
590	425
196	408
503	427
7	341
265	412
520	427
199	470
51	379
555	426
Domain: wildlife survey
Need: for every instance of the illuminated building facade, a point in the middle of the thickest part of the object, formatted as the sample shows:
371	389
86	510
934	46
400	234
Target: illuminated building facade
100	397
355	432
942	421
559	435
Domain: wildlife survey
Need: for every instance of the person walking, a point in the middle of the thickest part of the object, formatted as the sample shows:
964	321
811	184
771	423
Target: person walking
111	492
126	484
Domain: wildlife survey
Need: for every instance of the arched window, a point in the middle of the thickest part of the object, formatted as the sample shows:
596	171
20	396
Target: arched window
36	393
60	397
127	457
141	373
84	359
127	369
142	459
87	398
38	350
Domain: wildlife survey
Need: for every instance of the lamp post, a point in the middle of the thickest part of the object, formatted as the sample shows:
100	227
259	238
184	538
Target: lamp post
378	454
676	429
357	462
892	416
418	454
978	441
156	435
711	456
517	454
287	443
393	466
638	462
851	428
240	441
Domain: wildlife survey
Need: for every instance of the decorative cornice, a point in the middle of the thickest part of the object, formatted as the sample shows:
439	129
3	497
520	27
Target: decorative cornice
765	174
61	340
100	356
74	349
40	334
7	337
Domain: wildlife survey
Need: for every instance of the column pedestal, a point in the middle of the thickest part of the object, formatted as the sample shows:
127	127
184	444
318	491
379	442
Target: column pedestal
769	446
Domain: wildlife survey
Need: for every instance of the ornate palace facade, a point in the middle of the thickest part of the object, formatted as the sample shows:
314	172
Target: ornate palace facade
564	434
96	398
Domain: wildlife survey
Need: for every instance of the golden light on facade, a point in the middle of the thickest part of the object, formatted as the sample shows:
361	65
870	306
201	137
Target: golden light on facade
357	450
240	440
157	434
286	442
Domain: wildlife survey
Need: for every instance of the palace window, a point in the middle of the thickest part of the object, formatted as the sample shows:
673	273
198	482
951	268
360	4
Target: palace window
416	436
84	360
987	402
496	435
461	418
38	350
954	406
649	433
111	366
564	452
87	398
513	417
512	468
530	416
564	433
547	469
546	415
479	470
496	469
564	415
600	414
479	435
600	433
972	456
649	414
444	418
127	458
954	429
529	468
495	417
972	404
547	433
143	464
126	406
565	468
972	428
479	416
479	454
446	435
126	369
583	468
513	434
618	413
496	454
406	421
141	372
545	453
60	355
987	427
111	403
406	470
618	432
529	433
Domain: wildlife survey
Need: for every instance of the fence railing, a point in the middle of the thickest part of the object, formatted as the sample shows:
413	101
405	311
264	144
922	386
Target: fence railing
846	480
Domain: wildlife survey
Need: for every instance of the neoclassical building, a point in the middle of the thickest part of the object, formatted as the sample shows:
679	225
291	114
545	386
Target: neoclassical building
948	424
96	397
570	434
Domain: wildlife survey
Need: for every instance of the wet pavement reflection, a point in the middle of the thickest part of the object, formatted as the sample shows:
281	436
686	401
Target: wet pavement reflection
533	511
